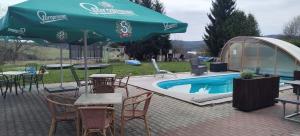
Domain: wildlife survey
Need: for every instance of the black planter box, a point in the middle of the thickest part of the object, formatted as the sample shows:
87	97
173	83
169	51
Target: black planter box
253	94
218	67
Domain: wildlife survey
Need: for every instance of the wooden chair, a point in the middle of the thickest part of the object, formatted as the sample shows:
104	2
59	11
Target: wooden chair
97	119
61	109
136	107
121	84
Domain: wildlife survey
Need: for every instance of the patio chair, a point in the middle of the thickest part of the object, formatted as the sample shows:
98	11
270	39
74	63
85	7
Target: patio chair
197	67
4	85
136	107
97	119
79	83
31	69
121	84
159	71
40	77
9	81
61	109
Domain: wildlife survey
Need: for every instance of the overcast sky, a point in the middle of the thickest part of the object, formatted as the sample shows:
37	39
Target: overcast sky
270	14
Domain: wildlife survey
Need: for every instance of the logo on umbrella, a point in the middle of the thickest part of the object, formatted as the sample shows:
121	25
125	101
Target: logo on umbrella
105	4
124	29
168	26
61	35
20	31
104	8
48	19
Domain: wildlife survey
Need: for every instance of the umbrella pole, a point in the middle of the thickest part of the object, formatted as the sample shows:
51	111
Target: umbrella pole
61	67
85	61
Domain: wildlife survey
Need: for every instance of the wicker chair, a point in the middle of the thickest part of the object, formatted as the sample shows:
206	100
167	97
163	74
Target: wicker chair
197	67
97	119
121	84
61	109
136	107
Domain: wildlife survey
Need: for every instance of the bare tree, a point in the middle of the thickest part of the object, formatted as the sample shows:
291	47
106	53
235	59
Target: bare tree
292	28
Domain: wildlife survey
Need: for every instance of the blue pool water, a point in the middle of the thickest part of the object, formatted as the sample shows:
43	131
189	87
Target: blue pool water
208	85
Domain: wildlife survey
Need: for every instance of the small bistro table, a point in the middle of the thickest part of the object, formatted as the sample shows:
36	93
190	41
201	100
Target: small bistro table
107	79
94	100
103	76
296	85
16	75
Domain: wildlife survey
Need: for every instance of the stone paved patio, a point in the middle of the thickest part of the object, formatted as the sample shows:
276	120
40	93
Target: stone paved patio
27	115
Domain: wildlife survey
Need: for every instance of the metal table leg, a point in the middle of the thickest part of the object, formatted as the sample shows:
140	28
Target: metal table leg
298	91
16	84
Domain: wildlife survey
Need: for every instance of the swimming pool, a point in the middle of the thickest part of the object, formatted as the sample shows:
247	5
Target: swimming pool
208	85
220	84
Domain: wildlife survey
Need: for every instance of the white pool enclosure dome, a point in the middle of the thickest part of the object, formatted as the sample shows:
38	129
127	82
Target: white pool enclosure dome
261	55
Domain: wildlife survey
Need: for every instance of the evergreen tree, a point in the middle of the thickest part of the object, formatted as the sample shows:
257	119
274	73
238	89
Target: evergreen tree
147	49
253	26
215	36
241	24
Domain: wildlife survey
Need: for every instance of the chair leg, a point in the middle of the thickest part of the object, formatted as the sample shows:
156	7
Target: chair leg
43	83
52	127
146	126
122	127
5	92
10	87
85	133
30	85
1	90
111	130
37	86
127	93
104	132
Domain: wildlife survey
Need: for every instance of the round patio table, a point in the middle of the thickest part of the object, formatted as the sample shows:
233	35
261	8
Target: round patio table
92	66
57	66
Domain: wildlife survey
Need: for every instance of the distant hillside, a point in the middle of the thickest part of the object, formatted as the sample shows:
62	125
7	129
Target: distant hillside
190	45
276	36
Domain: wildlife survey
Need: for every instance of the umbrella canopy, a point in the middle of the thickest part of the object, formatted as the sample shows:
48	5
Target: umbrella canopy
85	21
64	21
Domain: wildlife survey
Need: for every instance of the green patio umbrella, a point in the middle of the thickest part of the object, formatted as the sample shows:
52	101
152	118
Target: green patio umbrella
86	21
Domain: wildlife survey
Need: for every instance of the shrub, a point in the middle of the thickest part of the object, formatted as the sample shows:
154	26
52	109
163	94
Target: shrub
247	75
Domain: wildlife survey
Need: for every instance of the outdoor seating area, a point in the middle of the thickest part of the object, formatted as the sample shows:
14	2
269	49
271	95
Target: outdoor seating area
127	68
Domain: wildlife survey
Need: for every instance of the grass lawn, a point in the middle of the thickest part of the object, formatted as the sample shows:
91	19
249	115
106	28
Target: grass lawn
118	68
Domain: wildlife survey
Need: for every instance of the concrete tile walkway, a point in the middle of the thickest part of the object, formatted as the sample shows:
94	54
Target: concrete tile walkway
27	115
